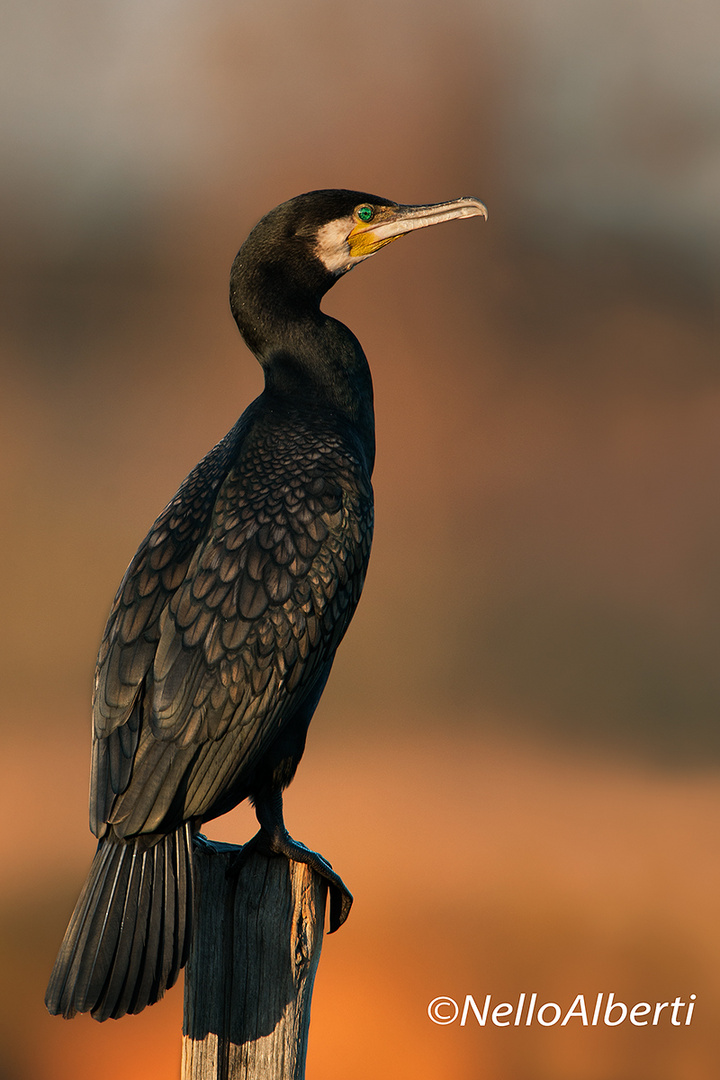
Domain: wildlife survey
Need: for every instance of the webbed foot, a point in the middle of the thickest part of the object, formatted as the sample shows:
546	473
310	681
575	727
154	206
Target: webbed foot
279	842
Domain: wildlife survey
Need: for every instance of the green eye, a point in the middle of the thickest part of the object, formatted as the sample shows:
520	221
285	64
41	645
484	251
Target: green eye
365	213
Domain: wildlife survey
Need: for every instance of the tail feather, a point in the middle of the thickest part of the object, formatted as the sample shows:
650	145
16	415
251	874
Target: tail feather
129	935
101	932
128	995
150	974
111	987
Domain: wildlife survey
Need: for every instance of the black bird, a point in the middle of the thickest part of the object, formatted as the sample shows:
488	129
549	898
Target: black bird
223	631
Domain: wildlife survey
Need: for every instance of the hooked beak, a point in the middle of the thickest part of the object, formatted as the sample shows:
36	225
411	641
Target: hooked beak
394	221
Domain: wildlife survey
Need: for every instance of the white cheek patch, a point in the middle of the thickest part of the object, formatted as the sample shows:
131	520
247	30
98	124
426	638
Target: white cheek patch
331	245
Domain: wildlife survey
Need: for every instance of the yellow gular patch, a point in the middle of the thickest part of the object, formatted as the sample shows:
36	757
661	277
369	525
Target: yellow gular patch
362	242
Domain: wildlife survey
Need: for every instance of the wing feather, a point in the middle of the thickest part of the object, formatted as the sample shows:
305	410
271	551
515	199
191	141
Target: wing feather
234	604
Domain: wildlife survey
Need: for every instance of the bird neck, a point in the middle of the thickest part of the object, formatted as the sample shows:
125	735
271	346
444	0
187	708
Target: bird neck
315	361
323	367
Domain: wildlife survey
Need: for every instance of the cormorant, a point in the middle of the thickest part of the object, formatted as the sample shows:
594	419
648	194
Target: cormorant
223	631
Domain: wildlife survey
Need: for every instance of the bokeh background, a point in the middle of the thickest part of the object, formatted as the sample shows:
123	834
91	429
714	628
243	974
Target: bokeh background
516	765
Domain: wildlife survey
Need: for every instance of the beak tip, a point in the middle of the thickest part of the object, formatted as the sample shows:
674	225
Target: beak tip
480	209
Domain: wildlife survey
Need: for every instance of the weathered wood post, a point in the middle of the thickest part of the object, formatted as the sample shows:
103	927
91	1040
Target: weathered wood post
249	979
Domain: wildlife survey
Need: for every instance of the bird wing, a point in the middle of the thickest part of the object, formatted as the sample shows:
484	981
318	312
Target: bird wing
217	638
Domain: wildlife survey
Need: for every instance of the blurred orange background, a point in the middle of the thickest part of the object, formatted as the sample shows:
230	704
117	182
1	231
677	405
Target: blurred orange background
515	766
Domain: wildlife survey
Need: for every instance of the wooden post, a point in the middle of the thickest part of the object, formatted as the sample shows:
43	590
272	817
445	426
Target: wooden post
249	979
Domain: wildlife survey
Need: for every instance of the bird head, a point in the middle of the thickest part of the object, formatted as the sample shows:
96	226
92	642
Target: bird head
338	228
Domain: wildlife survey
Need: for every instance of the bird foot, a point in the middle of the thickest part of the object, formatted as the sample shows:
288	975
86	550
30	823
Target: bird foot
279	842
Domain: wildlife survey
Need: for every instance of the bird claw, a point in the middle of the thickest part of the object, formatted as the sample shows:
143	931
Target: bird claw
280	842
